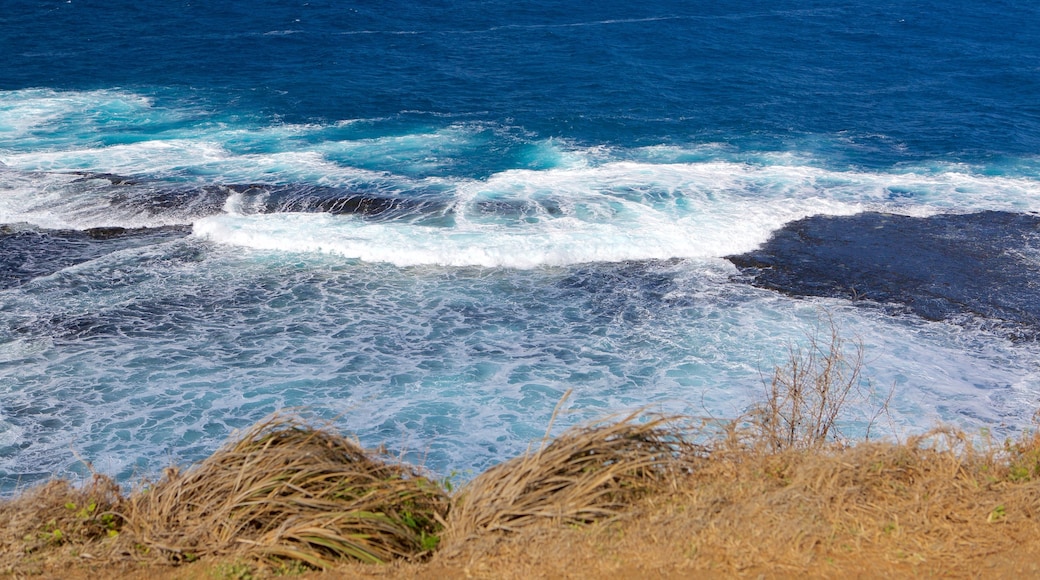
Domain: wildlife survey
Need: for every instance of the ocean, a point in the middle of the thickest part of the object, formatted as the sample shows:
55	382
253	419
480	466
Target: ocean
425	222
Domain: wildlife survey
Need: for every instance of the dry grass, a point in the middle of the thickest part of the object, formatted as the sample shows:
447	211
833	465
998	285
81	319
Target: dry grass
628	498
285	490
58	518
874	510
584	475
805	400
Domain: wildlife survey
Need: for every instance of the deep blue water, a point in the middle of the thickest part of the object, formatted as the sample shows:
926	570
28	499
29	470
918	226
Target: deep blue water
431	219
872	84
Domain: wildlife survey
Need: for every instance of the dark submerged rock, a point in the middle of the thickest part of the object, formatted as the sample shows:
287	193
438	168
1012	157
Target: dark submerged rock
302	198
109	177
27	252
943	267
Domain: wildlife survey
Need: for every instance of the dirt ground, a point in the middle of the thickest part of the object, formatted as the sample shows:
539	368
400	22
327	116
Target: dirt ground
653	542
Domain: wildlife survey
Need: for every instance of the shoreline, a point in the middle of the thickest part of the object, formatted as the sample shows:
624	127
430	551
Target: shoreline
937	504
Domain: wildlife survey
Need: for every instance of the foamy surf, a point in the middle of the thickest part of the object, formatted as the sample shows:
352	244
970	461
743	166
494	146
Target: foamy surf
608	231
435	281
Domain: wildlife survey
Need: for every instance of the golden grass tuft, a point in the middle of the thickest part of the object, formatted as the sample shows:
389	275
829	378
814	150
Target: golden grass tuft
586	474
287	491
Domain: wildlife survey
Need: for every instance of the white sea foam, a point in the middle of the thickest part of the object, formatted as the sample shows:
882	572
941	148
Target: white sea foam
619	211
685	192
683	197
27	112
645	234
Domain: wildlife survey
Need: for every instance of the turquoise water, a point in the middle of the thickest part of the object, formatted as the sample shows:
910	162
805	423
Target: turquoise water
426	222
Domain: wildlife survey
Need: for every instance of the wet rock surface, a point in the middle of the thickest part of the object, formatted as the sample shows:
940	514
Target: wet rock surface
962	267
27	252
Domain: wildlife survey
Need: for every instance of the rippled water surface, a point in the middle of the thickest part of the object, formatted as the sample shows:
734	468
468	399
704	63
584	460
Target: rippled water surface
428	221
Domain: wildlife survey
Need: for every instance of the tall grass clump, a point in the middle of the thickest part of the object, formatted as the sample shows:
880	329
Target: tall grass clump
586	474
288	491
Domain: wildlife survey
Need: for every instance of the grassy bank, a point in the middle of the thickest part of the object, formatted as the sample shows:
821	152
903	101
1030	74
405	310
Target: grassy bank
624	496
778	492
